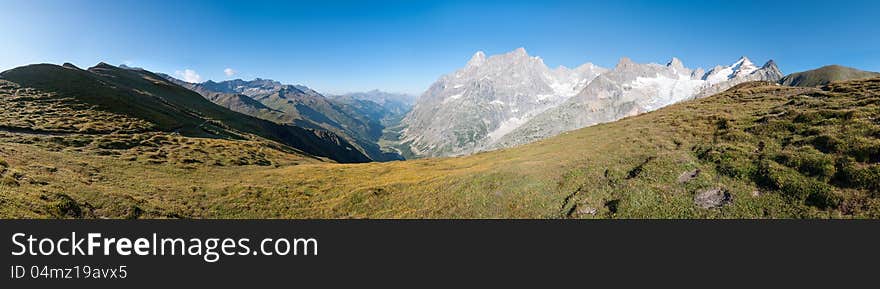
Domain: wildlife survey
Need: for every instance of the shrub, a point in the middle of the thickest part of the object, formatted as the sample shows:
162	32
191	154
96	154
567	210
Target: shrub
8	181
796	186
853	175
65	206
809	162
739	168
864	151
806	117
827	144
705	152
723	124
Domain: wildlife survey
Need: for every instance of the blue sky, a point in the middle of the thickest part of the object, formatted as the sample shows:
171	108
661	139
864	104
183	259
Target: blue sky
404	46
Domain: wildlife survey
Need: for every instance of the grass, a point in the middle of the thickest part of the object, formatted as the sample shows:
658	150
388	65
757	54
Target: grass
781	152
148	102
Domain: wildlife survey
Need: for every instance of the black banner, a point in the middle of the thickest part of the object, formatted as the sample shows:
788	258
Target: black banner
459	253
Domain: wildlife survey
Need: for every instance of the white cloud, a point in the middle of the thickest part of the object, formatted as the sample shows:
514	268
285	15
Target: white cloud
229	72
189	75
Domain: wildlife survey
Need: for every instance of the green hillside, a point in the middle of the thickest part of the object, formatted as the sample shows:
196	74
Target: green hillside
299	106
168	107
825	75
758	150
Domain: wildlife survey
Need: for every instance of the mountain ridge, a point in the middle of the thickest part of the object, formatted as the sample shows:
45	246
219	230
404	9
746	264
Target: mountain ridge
631	89
756	150
295	104
467	109
825	75
504	100
171	108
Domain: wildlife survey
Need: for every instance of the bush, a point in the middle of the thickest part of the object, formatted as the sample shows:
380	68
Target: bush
65	206
8	181
809	162
739	168
827	144
806	117
865	151
730	161
853	175
796	186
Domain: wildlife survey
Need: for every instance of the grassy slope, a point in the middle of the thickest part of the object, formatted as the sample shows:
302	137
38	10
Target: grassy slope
300	109
171	108
825	75
779	151
53	150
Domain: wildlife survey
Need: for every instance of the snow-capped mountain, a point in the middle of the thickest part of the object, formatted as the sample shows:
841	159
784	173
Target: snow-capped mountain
721	78
468	110
632	89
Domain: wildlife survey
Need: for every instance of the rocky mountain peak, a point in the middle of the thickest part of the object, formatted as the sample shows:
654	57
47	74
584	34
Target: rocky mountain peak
103	65
624	61
486	99
744	63
478	59
676	65
69	65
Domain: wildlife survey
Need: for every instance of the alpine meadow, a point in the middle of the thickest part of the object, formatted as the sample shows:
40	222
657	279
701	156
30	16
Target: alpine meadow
439	110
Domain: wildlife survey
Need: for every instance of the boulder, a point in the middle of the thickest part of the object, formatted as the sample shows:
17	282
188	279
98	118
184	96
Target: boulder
688	176
713	198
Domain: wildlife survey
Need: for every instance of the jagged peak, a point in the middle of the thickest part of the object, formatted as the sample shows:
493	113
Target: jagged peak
743	61
675	62
589	66
70	65
103	65
520	52
478	58
624	61
698	73
770	63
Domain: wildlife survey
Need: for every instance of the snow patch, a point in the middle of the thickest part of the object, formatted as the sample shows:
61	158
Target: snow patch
543	97
506	127
720	75
453	97
669	90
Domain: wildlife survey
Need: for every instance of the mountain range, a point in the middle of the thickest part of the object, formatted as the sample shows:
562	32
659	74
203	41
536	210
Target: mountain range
631	89
466	110
513	98
167	107
355	117
110	142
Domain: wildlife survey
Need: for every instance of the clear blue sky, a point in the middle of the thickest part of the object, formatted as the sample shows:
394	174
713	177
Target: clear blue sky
338	46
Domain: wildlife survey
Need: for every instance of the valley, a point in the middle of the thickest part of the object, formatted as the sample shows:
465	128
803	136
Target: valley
756	150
